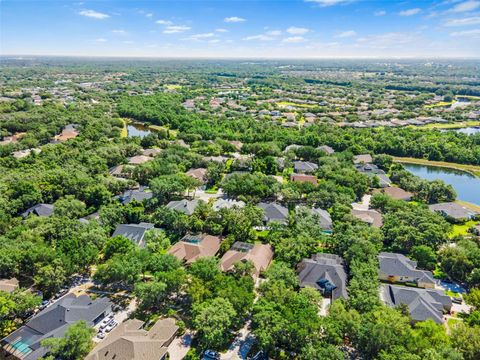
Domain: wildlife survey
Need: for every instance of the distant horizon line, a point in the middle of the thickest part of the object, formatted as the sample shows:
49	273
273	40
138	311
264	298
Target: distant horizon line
26	56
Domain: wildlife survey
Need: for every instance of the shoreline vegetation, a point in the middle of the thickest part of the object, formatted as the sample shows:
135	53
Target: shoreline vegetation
126	122
471	169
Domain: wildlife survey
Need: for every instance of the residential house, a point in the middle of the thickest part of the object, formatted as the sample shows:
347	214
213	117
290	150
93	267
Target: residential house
454	211
291	147
227	204
324	219
184	206
152	152
199	174
9	285
133	232
237	144
260	255
304	167
69	132
371	217
194	246
20	154
274	213
39	210
372	170
326	273
395	193
398	268
130	341
363	158
326	149
52	322
423	304
141	194
139	159
302	178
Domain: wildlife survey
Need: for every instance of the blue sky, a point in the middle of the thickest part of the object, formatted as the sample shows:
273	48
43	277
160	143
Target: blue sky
229	28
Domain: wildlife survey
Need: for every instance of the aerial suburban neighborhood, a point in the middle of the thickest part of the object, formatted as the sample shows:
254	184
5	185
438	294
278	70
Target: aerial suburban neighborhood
163	208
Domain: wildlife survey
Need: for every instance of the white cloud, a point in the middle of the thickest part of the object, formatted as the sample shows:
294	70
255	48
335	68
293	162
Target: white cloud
473	33
221	30
119	32
164	22
325	3
202	36
128	42
466	6
346	34
274	33
294	39
410	12
94	14
214	41
297	30
234	19
175	29
388	40
380	13
260	37
100	40
464	21
149	15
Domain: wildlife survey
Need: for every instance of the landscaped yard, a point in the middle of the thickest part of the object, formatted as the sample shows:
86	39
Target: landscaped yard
461	229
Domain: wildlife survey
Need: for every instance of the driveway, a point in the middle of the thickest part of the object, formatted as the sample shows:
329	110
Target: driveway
180	346
241	346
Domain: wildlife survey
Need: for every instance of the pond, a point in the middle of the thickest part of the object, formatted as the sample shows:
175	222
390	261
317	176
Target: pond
134	129
467	130
466	185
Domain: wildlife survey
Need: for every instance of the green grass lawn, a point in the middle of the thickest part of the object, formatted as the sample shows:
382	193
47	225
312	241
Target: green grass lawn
461	229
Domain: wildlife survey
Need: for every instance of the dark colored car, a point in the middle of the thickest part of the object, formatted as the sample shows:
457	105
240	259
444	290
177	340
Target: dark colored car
457	300
210	355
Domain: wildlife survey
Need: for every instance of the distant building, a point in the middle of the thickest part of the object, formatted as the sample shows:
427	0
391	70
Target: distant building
454	211
139	159
324	219
9	285
52	322
423	304
395	193
302	178
371	217
326	149
326	273
39	210
227	204
364	158
142	194
199	174
304	167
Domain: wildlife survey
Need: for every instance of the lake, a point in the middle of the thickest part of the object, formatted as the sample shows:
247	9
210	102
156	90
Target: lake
466	185
134	129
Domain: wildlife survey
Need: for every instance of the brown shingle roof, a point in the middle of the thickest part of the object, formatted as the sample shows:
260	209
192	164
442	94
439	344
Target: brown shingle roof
193	247
260	255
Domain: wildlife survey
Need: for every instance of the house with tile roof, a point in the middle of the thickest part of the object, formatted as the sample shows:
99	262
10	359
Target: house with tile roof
260	255
194	246
130	341
370	217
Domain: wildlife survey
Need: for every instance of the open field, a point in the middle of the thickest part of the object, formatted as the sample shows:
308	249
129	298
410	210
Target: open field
472	169
289	103
462	229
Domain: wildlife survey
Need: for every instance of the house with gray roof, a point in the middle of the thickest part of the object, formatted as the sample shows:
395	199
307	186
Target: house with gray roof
39	210
141	194
274	213
304	167
454	212
324	219
184	206
227	204
326	149
398	268
52	322
326	273
133	232
423	304
373	170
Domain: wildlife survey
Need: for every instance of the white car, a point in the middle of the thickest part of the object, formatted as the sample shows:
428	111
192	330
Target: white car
101	335
111	326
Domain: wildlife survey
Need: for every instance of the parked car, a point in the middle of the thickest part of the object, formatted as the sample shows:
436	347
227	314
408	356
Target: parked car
111	326
457	300
101	335
210	355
